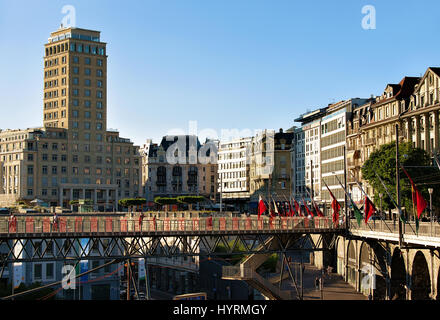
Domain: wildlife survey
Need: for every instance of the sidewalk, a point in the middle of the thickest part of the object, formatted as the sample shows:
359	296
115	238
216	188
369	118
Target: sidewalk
335	288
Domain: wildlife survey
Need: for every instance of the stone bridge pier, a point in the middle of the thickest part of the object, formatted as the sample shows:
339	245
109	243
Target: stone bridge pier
384	270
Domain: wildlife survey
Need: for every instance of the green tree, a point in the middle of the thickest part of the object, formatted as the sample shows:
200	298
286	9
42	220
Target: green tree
416	162
132	202
165	200
190	200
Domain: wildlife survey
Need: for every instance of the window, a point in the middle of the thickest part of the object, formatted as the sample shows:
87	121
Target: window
87	114
99	62
87	82
87	103
75	70
87	71
99	84
99	105
44	169
99	115
75	81
87	125
87	93
30	157
98	126
99	94
30	169
99	73
38	271
87	60
49	271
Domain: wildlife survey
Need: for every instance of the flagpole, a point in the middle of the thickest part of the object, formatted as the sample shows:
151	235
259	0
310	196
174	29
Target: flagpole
347	218
363	191
398	184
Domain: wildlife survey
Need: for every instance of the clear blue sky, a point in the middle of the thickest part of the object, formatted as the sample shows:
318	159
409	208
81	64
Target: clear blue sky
226	64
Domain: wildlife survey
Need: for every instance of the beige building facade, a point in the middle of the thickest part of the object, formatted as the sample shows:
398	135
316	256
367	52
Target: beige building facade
178	166
72	156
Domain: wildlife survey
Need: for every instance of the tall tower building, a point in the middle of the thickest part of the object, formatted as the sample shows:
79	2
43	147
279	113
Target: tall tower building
72	156
75	86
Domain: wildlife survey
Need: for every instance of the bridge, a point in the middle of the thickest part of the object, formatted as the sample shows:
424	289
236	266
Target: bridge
122	236
405	266
371	258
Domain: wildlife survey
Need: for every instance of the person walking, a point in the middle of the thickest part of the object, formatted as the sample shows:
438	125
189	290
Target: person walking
12	222
55	221
141	219
317	281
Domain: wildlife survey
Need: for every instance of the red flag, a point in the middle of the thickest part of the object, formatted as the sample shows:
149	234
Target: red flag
417	196
369	209
309	213
318	211
261	207
335	206
297	207
291	212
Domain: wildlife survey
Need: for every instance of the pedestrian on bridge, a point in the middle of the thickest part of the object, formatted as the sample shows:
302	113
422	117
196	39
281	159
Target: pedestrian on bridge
141	219
12	222
55	221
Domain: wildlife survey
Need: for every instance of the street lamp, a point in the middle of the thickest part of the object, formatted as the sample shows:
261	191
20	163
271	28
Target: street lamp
430	190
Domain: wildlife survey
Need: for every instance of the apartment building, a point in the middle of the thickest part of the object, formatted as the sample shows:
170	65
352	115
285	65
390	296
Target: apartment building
306	156
333	147
179	165
233	171
269	165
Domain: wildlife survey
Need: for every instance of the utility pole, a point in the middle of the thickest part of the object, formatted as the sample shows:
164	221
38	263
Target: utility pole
147	281
268	193
221	193
398	186
347	218
128	279
430	190
311	180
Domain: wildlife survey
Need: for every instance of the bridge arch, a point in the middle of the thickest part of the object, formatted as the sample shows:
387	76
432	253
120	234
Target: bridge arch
372	270
398	276
438	285
340	256
351	263
420	278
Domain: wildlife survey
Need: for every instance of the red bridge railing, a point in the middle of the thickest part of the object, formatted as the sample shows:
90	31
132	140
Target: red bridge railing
125	224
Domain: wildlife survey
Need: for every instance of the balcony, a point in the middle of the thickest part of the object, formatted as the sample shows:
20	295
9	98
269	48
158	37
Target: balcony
369	141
